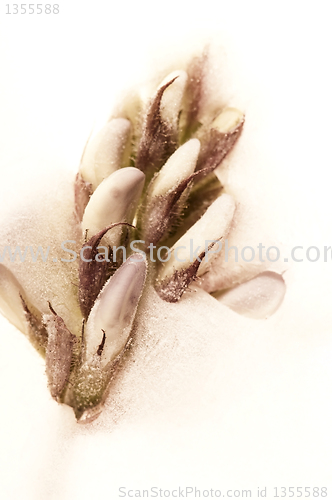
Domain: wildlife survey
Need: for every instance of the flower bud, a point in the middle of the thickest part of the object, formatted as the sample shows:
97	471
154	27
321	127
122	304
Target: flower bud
93	271
110	321
114	200
180	165
82	193
159	136
168	192
172	98
187	253
257	298
14	307
228	120
193	102
10	299
59	353
219	138
104	152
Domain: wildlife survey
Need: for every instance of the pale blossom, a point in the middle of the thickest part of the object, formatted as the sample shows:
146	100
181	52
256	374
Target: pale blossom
152	182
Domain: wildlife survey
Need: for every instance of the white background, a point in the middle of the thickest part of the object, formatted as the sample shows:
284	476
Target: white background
257	411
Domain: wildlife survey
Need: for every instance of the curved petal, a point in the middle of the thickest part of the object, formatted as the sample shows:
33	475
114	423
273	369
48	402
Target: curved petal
10	299
114	311
104	152
171	101
257	298
49	239
212	226
114	200
180	165
243	255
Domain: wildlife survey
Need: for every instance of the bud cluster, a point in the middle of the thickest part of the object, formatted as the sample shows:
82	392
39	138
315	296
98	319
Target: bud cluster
148	175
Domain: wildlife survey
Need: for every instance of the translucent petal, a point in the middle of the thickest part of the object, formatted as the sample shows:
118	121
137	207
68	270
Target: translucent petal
228	120
180	165
172	98
104	152
257	298
212	226
115	309
114	200
10	301
45	228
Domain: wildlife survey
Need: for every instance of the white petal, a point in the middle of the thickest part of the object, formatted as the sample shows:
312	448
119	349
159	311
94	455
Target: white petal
258	298
213	225
172	97
229	267
228	120
104	152
115	309
114	200
10	302
178	167
47	225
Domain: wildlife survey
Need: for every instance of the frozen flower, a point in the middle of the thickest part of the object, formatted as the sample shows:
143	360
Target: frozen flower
148	209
